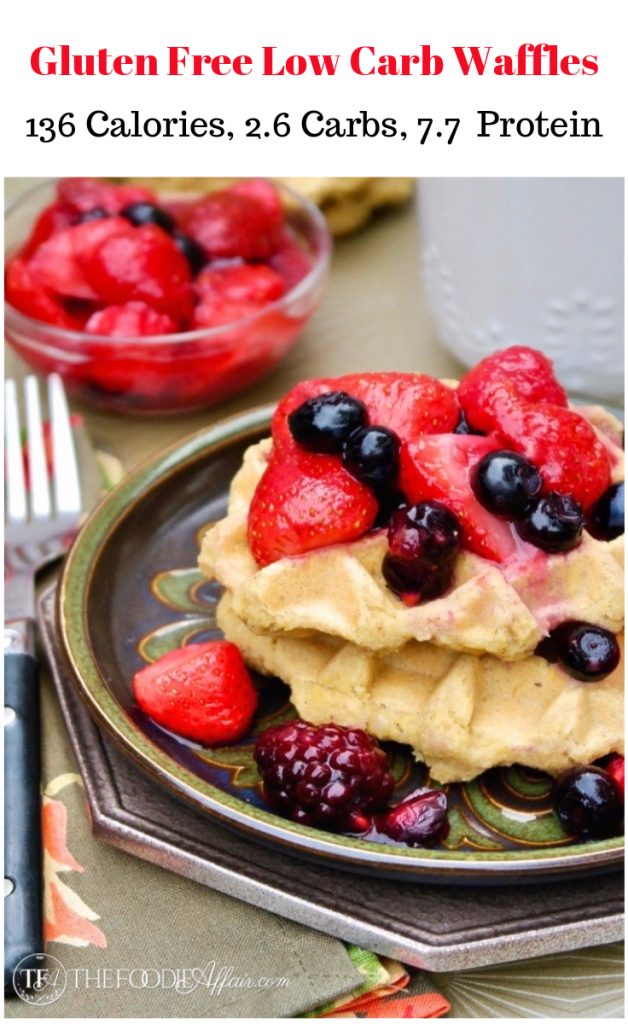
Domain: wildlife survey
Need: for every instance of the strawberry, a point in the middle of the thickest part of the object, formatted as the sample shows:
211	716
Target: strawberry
131	320
241	282
560	442
530	373
142	264
409	404
439	466
28	295
306	501
52	219
290	259
614	765
60	261
245	220
85	194
202	692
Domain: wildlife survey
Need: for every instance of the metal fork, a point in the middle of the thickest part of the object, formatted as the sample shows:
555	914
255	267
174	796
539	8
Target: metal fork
40	523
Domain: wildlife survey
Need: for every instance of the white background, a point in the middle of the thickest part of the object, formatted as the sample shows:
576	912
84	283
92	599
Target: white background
323	26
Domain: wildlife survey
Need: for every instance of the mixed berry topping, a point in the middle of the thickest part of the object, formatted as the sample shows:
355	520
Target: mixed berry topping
585	651
325	423
606	517
555	523
498	460
371	455
423	541
324	775
588	802
506	484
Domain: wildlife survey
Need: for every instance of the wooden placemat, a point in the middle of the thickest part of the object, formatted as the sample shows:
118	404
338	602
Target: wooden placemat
435	927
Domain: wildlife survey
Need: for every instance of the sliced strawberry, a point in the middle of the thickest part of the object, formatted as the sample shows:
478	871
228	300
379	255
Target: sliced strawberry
131	320
28	295
219	312
290	259
409	404
561	443
240	221
530	373
60	262
203	692
52	219
242	282
304	502
439	467
86	194
143	264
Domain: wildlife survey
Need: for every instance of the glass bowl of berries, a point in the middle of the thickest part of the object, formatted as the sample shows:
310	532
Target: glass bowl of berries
158	303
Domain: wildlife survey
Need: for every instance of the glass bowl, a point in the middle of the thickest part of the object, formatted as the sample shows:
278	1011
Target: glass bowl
168	373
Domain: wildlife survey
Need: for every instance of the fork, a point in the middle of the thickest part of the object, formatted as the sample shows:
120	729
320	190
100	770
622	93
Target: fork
39	526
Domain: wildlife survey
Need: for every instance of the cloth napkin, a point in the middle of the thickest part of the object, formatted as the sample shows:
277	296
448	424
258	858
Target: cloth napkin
134	940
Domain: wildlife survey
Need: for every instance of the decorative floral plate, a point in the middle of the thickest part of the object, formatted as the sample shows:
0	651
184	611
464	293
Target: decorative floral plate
131	591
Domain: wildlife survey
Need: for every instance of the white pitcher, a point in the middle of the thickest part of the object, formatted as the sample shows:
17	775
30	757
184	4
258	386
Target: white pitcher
530	261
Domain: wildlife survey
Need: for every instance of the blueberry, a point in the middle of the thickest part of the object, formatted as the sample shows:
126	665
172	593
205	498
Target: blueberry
324	423
96	214
371	454
148	213
506	483
587	802
462	427
587	652
424	532
606	518
554	524
191	250
426	580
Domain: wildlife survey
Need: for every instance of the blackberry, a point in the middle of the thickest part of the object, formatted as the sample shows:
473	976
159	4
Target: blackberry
323	775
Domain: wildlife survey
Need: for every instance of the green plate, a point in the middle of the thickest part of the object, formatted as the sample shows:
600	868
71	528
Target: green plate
131	591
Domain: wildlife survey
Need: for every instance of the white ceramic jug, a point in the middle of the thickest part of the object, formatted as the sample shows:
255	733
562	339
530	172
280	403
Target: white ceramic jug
531	261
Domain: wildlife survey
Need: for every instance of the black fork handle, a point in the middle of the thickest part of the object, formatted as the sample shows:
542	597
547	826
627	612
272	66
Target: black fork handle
23	906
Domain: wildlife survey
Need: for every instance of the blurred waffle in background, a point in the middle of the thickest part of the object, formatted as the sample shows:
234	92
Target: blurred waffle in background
348	203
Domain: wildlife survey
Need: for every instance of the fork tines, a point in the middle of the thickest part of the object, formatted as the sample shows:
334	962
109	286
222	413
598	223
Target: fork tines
30	500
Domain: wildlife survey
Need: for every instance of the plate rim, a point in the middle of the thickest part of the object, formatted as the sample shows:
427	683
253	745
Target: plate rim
260	824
